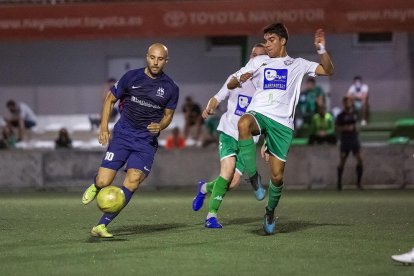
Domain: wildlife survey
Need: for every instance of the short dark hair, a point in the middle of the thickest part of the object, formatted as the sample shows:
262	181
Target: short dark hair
357	78
11	103
277	28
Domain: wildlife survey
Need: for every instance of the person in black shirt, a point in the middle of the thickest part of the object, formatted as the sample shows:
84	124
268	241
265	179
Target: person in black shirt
346	126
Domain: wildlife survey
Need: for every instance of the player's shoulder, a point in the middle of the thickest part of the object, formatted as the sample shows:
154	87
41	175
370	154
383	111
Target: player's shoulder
167	79
133	75
300	60
259	60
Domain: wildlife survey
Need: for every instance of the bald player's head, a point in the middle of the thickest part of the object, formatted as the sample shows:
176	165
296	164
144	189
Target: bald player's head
157	57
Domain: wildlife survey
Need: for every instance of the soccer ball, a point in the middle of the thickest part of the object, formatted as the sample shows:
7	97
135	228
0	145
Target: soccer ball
110	199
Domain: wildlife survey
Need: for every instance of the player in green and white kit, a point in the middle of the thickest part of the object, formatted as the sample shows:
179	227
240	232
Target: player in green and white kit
277	79
231	167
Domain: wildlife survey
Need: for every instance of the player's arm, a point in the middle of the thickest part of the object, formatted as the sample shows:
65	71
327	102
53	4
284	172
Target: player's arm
245	73
108	105
210	108
164	123
325	68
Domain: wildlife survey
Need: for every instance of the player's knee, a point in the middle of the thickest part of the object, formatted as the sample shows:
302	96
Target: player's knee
102	181
133	179
277	178
244	125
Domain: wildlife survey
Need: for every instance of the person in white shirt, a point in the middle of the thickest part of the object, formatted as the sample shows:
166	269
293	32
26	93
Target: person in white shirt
358	91
21	116
231	167
277	78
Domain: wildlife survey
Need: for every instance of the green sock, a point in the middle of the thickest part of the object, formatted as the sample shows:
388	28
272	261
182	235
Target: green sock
210	186
219	190
247	149
275	192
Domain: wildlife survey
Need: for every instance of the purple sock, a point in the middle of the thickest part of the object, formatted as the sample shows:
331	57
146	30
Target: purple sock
108	217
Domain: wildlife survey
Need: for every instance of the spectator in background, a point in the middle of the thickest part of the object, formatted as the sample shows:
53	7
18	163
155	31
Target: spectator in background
192	117
322	128
312	97
175	140
7	138
20	116
346	126
63	141
358	91
210	133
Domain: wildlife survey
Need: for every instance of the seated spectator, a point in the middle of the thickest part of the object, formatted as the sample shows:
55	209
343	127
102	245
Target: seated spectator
211	134
7	138
358	92
20	116
175	140
63	141
322	128
192	117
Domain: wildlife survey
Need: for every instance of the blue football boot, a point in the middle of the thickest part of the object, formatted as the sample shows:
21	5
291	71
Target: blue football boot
256	182
212	223
199	198
269	223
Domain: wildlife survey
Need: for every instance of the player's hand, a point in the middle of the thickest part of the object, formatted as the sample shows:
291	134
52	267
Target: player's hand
154	128
245	77
103	136
319	38
264	153
207	112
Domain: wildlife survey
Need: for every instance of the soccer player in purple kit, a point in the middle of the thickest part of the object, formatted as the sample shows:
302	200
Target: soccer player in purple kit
148	99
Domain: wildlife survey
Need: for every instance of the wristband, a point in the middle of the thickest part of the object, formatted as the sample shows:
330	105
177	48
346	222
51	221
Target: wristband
322	49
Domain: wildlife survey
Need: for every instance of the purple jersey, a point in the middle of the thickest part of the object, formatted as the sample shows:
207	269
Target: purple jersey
143	99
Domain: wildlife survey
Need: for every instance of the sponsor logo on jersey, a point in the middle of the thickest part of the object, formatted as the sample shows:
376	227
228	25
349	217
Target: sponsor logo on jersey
242	104
275	78
160	92
136	87
144	103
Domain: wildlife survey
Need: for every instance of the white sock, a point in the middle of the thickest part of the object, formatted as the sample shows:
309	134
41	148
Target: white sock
204	188
211	215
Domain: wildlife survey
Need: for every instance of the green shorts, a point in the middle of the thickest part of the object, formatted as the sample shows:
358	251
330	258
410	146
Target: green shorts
278	136
228	146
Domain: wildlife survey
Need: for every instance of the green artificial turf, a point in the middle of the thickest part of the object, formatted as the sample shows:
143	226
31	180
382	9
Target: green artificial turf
318	233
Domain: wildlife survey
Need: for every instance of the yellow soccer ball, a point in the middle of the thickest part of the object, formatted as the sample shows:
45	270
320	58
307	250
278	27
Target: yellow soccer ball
110	199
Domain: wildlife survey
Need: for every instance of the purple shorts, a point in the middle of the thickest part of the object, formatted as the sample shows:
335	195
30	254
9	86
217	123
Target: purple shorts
136	150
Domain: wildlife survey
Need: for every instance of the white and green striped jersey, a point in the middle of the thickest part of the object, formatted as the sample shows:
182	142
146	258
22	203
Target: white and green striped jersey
277	82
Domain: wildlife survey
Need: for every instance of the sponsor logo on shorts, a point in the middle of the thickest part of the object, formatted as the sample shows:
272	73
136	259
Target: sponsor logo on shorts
275	78
145	168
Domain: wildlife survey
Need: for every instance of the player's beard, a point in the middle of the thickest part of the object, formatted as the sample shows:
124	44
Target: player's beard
152	74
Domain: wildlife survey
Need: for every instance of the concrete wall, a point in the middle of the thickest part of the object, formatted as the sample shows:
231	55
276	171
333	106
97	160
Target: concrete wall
307	168
46	74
